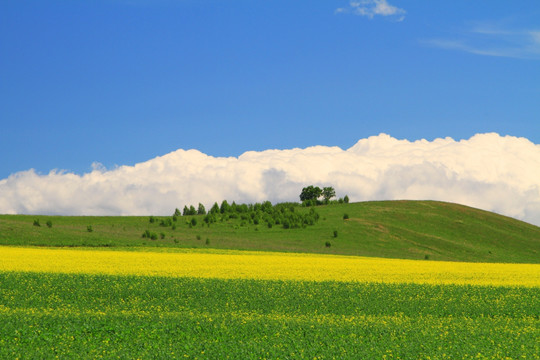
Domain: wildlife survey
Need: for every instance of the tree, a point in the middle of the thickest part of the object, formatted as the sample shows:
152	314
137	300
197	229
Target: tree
177	212
328	193
310	193
215	209
225	207
201	210
346	199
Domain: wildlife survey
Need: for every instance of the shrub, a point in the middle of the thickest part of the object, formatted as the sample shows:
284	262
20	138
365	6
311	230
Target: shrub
346	199
426	257
165	223
49	224
151	219
335	233
327	244
146	234
36	222
153	236
162	236
89	228
207	242
193	222
198	237
345	216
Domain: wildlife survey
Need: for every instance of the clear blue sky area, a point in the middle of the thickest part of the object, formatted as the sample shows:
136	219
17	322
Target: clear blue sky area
120	82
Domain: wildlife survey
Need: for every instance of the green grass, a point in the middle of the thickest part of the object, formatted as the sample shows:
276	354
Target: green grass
84	316
393	229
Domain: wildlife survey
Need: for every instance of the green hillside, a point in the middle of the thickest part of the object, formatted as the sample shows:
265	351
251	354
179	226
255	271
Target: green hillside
393	229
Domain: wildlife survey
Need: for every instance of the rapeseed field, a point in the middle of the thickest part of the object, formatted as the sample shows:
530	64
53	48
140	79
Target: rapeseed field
266	266
72	304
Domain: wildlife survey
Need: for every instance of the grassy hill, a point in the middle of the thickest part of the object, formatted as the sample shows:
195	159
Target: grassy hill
392	229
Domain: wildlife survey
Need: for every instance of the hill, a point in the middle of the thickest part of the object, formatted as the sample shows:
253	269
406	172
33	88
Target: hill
391	229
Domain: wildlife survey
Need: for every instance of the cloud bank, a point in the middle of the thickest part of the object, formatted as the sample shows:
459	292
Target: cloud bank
487	171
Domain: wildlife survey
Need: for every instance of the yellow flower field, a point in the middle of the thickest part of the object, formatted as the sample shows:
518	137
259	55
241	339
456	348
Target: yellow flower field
265	265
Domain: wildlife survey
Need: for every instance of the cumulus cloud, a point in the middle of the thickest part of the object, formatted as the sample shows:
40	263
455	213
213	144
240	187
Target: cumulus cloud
487	171
372	8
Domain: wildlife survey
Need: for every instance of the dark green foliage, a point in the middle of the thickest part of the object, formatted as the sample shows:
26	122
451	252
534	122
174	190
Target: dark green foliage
310	193
328	193
36	222
345	216
165	222
198	237
49	224
335	233
214	209
327	244
346	199
257	214
177	212
225	207
193	222
207	242
201	210
151	219
151	235
89	228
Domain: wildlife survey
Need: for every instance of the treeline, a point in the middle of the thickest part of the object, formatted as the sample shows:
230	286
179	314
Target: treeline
285	215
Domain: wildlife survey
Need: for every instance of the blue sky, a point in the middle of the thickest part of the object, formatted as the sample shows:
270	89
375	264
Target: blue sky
120	82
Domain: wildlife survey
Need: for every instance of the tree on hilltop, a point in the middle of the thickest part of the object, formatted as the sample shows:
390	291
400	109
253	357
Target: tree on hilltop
310	193
328	193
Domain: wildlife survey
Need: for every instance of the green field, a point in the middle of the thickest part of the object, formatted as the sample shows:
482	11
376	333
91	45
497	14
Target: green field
85	316
47	315
393	229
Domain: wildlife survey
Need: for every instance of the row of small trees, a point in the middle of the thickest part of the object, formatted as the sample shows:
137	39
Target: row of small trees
283	214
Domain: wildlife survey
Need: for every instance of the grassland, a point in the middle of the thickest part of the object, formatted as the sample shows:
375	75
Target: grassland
392	229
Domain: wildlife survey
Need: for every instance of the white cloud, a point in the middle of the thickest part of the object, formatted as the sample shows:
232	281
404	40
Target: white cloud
487	171
493	40
371	8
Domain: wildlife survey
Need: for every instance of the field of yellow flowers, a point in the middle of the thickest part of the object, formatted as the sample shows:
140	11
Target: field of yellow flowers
200	304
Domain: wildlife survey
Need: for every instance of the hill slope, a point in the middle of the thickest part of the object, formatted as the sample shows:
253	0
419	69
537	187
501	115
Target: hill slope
393	229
